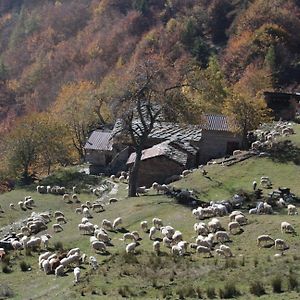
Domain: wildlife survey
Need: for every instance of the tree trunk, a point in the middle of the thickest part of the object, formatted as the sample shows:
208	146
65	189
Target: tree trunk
134	173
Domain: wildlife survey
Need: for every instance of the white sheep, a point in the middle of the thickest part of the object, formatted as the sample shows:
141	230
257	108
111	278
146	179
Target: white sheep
112	200
78	210
183	245
167	242
66	197
214	225
59	271
152	232
130	248
106	224
73	251
144	225
61	220
253	211
128	236
186	172
93	262
203	250
234	214
99	246
76	275
287	228
58	213
226	250
86	213
234	227
11	206
265	241
241	219
292	210
117	222
97	207
46	266
281	245
156	247
158	223
222	236
57	227
177	236
176	250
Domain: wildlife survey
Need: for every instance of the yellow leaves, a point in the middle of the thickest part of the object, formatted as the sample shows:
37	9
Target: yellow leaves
94	49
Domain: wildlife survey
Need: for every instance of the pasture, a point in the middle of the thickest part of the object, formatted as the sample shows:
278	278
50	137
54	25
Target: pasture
148	276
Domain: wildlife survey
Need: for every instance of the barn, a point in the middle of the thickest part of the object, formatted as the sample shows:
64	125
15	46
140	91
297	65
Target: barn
158	163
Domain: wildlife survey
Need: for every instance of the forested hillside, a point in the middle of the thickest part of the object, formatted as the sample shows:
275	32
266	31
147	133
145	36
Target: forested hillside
47	44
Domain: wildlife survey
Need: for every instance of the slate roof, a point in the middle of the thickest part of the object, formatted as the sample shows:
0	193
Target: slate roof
99	140
215	122
162	149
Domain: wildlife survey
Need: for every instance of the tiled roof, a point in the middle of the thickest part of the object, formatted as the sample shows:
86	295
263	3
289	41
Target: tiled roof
215	122
162	149
99	140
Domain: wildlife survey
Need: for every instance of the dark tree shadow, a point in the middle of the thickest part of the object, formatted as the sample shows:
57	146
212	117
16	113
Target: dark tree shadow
285	151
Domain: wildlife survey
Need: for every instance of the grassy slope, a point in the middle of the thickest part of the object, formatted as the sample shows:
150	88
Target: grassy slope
151	277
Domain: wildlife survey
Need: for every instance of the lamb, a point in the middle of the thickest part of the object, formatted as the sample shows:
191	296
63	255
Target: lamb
57	227
287	228
157	223
61	219
99	246
222	236
118	221
204	250
59	271
292	209
163	188
107	224
226	250
265	241
76	275
281	245
45	240
234	227
156	247
144	225
130	248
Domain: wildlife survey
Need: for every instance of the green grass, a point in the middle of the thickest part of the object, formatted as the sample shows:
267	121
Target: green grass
148	276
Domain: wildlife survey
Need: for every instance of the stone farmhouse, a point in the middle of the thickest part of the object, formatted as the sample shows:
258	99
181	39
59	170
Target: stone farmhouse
171	148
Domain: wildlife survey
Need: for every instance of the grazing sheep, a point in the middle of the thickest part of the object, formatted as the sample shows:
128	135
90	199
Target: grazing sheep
177	236
113	177
167	242
144	225
66	197
222	236
21	205
214	225
93	262
136	235
46	266
183	245
76	274
152	232
156	247
86	213
97	207
112	200
234	214
253	211
99	246
157	223
186	172
201	229
292	209
281	245
220	252
57	227
130	248
226	250
234	227
106	224
117	222
176	250
265	241
254	185
84	220
204	250
128	236
12	206
102	236
17	245
78	210
241	219
73	251
58	213
61	220
281	203
142	190
59	271
287	228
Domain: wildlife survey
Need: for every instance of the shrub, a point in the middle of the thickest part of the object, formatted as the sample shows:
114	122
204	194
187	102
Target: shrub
229	291
58	246
293	282
6	269
125	291
24	266
211	292
277	284
257	288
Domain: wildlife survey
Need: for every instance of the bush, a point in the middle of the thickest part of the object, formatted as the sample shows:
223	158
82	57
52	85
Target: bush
211	292
293	282
257	288
229	291
6	269
24	266
277	284
58	246
125	291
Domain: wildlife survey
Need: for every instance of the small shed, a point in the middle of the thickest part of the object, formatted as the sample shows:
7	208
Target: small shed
284	105
159	163
99	151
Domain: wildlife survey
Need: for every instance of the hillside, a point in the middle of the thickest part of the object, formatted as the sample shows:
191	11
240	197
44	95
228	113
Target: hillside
45	45
145	275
